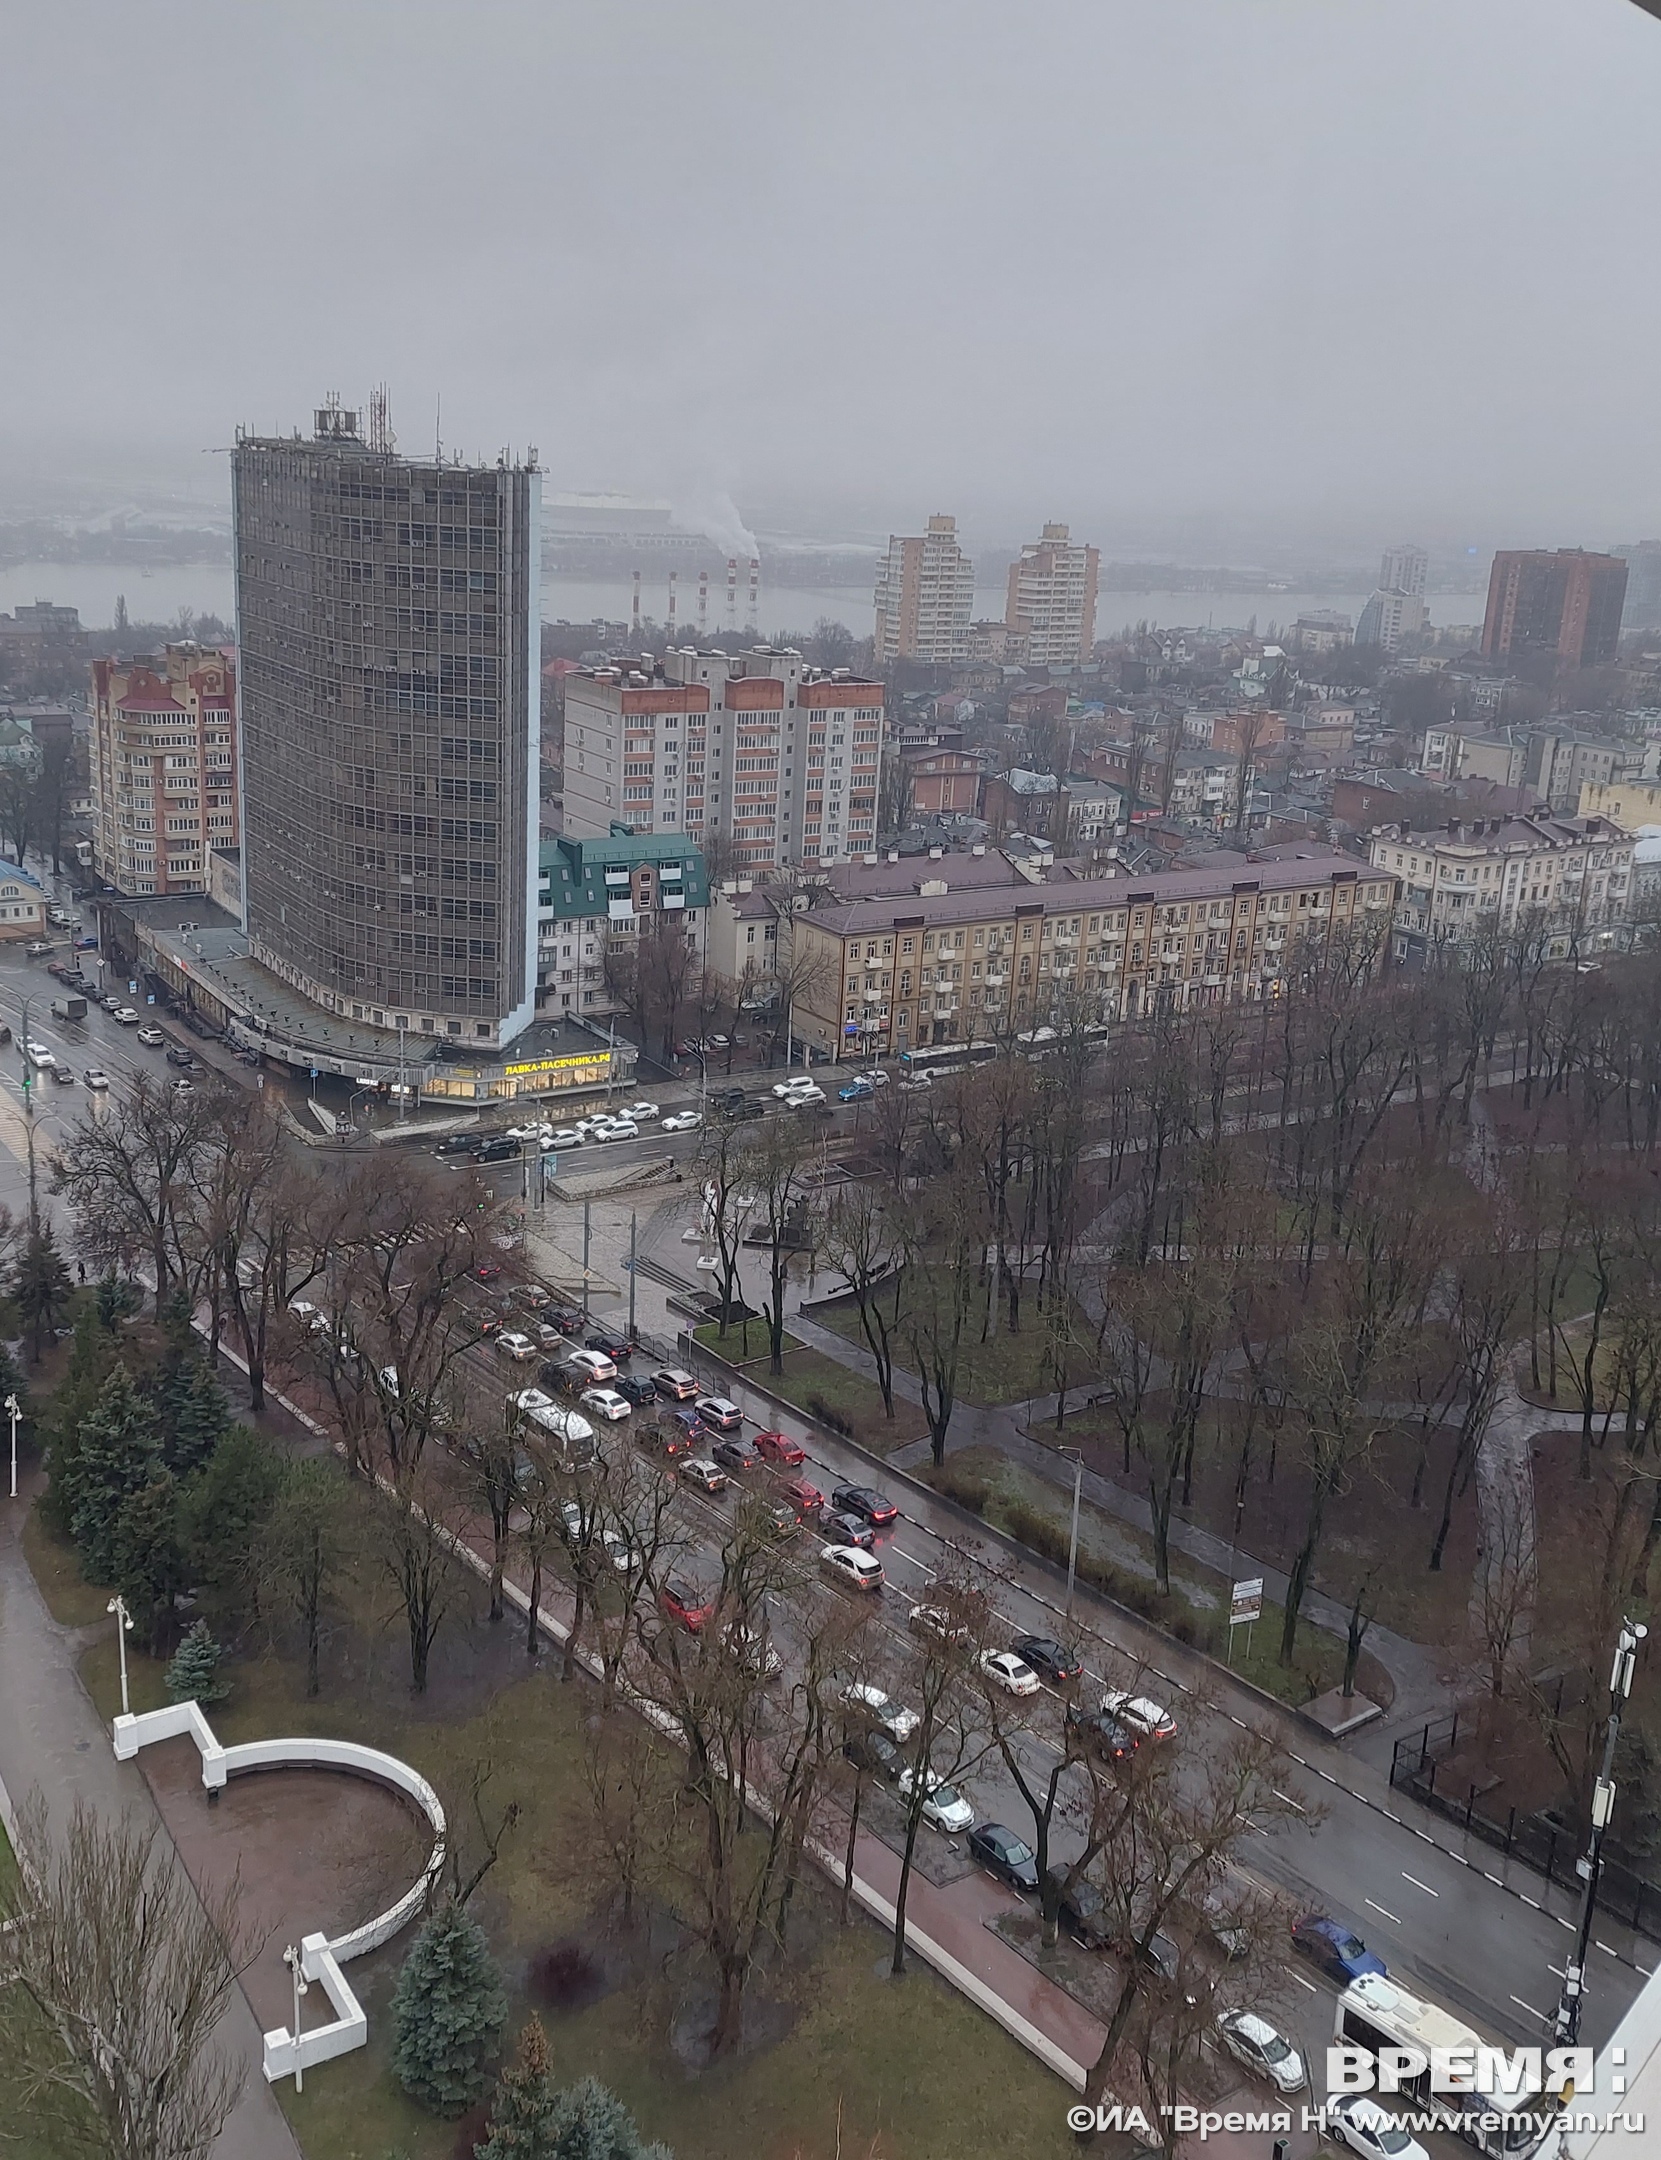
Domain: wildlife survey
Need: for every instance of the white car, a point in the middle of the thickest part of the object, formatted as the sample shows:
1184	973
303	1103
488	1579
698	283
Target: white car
605	1402
569	1427
516	1346
782	1088
1005	1670
522	1133
876	1076
39	1053
851	1566
916	1082
151	1037
682	1121
96	1079
563	1136
936	1621
124	1016
943	1805
641	1112
1366	2128
1254	2042
616	1129
313	1321
591	1366
1140	1713
588	1126
804	1097
880	1709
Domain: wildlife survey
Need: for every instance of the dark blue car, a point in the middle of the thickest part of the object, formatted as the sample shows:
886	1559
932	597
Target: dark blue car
1337	1950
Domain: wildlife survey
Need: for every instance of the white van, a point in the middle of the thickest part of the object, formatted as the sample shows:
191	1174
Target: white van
571	1433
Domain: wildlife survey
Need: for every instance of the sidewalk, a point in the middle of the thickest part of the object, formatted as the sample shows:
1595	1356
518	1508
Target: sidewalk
52	1738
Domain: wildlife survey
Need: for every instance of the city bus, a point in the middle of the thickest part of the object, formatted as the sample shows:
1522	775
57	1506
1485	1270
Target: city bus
1375	2012
946	1058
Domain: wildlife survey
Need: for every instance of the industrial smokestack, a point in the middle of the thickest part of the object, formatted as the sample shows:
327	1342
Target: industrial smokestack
755	594
703	604
635	616
732	592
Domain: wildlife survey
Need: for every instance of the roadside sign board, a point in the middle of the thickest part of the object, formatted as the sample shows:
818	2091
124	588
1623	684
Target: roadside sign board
1246	1602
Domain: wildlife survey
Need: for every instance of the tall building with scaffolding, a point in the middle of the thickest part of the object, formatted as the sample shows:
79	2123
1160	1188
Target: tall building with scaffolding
388	622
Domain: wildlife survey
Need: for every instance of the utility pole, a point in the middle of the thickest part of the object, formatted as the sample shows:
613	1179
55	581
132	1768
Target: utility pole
1603	1806
634	1226
586	1206
1072	1541
29	1124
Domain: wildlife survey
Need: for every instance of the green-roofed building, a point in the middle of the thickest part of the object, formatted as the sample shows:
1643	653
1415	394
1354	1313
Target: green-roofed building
592	891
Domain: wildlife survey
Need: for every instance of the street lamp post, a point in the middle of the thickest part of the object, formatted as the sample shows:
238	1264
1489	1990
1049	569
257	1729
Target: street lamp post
1603	1806
294	1960
123	1628
1072	1541
29	1121
14	1410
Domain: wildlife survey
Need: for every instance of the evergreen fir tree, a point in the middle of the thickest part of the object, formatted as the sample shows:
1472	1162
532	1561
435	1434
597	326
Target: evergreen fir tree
195	1419
40	1289
114	1459
521	2112
448	2010
194	1674
146	1563
225	1507
591	2123
113	1301
90	1361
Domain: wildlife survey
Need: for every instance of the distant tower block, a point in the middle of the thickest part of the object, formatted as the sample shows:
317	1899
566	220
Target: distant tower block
703	604
732	592
634	614
753	621
671	607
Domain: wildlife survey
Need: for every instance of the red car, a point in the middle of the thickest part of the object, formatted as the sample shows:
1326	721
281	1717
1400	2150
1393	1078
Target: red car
804	1497
486	1271
687	1605
778	1447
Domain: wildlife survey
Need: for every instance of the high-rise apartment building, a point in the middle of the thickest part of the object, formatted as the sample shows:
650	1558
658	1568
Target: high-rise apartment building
1389	618
388	624
1052	598
163	768
1403	570
925	597
760	758
1565	602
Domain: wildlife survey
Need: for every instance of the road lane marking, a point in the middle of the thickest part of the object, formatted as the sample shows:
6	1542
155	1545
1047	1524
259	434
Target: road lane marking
1529	2007
1424	1886
1303	1983
899	1553
1378	1908
1287	1797
1604	1947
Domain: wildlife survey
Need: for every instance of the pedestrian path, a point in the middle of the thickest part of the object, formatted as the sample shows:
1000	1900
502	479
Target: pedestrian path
51	1738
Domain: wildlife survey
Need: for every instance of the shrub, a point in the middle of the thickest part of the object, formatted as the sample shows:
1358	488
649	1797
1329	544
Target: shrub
194	1675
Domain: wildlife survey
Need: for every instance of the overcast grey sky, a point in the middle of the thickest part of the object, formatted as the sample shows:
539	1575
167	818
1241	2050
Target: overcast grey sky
1184	271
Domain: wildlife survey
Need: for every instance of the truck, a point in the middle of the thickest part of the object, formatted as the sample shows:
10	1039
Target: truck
69	1008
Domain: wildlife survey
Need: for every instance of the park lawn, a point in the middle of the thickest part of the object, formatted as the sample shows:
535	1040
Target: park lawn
1008	1368
815	1384
906	2070
1117	1558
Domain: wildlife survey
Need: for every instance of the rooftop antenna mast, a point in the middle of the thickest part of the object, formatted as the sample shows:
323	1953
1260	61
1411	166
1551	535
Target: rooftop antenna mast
438	423
381	437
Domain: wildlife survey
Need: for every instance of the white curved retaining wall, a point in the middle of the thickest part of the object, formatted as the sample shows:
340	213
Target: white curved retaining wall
321	1959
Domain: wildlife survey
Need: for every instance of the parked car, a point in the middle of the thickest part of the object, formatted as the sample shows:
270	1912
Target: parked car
688	1605
1081	1909
700	1471
516	1346
1354	2120
674	1384
151	1037
873	1751
778	1447
589	1368
803	1495
605	1402
178	1055
1337	1950
1051	1660
846	1529
865	1501
1146	1718
641	1112
944	1807
733	1452
848	1565
1253	2041
1005	1670
682	1121
456	1143
562	1136
878	1708
616	1129
719	1413
1003	1854
635	1391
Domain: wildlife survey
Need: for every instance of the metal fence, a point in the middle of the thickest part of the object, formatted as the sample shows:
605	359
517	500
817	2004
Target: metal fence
1419	1765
